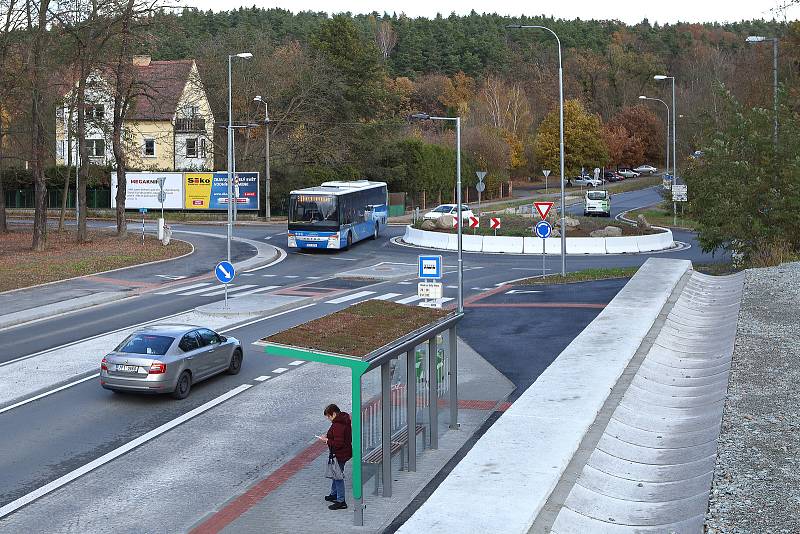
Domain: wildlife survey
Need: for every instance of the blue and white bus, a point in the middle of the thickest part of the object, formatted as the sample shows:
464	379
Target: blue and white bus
337	214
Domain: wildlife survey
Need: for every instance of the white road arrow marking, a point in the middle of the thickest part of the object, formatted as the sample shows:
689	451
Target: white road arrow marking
518	291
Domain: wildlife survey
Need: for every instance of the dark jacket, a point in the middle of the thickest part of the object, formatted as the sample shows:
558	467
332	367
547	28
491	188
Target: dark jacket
340	437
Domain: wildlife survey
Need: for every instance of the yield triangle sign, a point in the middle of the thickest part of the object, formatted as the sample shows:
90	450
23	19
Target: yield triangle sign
543	208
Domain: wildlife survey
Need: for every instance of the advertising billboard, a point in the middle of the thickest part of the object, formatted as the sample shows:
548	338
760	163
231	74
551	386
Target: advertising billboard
247	189
198	190
142	190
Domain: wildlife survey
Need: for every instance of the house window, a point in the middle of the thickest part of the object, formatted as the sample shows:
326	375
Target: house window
203	148
96	112
96	148
149	148
191	148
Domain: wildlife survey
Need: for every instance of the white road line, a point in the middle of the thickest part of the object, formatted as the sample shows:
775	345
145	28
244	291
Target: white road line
116	453
15	360
281	256
386	296
46	393
348	298
313	277
184	288
297	362
262	378
292	276
405	283
343	259
254	321
409	300
247	274
452	287
279	370
268	275
202	290
254	291
230	290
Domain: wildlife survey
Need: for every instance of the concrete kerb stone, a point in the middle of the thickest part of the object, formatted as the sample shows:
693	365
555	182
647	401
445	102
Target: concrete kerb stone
252	306
58	308
529	447
265	253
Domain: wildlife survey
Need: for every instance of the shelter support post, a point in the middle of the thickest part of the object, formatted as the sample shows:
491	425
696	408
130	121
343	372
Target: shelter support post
411	406
453	379
433	393
386	429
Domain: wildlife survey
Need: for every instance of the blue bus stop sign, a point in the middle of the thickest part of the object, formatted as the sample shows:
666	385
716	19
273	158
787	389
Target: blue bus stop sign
430	267
543	229
224	272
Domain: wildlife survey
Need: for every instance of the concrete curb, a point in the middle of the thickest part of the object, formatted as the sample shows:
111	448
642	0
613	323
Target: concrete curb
245	307
57	308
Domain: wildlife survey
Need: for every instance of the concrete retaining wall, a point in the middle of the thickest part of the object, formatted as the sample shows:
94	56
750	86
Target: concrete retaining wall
533	245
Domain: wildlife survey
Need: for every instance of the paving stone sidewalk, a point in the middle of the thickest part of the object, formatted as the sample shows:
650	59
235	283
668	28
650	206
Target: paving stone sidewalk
756	485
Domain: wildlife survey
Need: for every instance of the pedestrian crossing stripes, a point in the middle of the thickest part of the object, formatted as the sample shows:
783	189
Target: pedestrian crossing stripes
409	300
230	290
254	291
386	296
196	291
348	298
184	288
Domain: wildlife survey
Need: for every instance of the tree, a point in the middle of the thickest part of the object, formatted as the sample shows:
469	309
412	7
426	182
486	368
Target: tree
624	148
583	141
385	38
641	123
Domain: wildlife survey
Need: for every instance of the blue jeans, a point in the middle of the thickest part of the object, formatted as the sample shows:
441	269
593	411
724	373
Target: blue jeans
337	486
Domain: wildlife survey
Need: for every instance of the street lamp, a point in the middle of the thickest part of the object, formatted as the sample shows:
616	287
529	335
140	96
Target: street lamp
760	39
660	77
666	166
242	55
457	120
561	138
266	152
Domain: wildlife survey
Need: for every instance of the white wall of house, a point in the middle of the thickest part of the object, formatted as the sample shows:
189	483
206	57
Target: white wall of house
194	104
98	128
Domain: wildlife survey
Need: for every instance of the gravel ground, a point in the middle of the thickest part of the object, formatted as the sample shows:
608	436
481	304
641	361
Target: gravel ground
756	485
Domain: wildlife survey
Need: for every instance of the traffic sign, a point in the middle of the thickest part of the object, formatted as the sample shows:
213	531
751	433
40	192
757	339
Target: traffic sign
162	196
430	290
480	186
494	223
680	193
161	180
430	267
543	208
546	172
142	210
225	272
455	222
474	222
481	175
543	229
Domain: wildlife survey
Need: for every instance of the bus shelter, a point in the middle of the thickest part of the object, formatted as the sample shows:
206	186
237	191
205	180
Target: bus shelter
397	388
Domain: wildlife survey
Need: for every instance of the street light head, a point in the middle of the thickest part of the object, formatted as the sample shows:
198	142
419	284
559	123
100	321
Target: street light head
257	99
513	26
660	77
755	39
642	97
245	55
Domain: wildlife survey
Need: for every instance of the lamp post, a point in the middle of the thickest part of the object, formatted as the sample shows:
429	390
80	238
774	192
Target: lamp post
457	120
666	159
674	155
561	138
242	55
759	39
258	98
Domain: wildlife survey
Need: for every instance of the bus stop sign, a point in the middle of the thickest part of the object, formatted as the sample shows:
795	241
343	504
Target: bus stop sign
430	267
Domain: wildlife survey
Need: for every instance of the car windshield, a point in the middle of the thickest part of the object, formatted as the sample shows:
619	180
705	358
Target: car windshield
145	344
314	210
443	209
596	195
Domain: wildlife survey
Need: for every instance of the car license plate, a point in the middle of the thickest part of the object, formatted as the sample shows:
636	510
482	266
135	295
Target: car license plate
312	245
128	368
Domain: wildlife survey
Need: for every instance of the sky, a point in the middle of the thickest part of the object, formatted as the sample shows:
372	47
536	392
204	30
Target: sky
628	11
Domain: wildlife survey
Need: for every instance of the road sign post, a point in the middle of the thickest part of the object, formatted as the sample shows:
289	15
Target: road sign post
543	230
162	196
680	193
142	211
225	272
546	173
494	224
480	186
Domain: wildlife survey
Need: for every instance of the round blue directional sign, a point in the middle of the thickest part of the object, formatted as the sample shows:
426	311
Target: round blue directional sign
543	229
224	272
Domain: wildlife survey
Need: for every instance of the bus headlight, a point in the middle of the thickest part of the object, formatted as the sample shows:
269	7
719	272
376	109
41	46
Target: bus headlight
292	240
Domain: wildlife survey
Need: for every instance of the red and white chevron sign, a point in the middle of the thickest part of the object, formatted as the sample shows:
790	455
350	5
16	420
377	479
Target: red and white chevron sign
474	222
494	223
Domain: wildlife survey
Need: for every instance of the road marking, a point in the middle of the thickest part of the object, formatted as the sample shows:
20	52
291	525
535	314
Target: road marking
254	321
314	277
386	296
344	259
409	300
268	275
348	298
202	290
262	378
116	453
46	393
292	276
405	283
297	362
247	274
281	256
279	370
254	291
520	291
230	290
170	276
184	288
452	287
441	300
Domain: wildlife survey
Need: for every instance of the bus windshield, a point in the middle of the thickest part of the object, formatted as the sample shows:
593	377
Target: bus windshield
314	210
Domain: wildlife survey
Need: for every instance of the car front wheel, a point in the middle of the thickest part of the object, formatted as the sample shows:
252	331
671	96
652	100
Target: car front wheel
183	386
236	363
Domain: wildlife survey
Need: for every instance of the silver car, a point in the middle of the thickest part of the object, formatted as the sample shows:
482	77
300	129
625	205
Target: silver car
169	359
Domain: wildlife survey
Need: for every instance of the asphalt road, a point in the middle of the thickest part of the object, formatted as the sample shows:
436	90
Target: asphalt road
50	437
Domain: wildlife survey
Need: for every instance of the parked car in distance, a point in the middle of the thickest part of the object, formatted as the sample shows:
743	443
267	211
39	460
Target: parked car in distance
597	202
586	181
628	173
448	209
645	169
169	358
611	176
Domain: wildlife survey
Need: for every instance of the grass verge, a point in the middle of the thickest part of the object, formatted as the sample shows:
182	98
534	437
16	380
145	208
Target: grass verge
64	258
661	217
587	275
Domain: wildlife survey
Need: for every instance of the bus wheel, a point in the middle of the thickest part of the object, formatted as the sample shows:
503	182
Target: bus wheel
349	241
375	233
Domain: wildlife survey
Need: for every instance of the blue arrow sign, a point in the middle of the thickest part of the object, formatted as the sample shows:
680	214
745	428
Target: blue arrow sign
543	229
225	272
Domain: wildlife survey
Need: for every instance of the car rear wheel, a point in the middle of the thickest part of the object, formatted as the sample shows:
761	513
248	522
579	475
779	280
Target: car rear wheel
183	386
236	363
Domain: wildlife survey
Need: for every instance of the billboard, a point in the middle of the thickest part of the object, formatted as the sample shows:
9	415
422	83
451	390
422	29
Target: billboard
142	190
246	192
198	190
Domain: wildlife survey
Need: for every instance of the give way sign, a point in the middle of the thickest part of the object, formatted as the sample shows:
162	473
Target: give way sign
543	208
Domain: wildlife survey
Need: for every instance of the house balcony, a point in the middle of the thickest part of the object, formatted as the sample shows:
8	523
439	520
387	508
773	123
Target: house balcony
190	125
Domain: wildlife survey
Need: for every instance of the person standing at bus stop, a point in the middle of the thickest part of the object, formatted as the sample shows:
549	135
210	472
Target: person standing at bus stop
339	439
